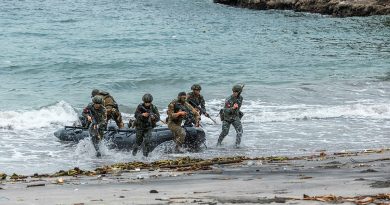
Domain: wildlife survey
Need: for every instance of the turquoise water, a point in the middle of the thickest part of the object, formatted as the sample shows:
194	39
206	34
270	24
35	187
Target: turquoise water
312	82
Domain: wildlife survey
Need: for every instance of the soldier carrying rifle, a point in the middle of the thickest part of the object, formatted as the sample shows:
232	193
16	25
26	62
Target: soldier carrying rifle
146	116
96	115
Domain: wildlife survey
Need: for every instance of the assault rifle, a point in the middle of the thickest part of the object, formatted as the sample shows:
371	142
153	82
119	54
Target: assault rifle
202	111
143	110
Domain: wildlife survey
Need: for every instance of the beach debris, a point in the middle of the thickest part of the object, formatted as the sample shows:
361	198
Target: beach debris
121	197
304	177
73	172
360	200
14	176
153	191
35	185
60	181
185	164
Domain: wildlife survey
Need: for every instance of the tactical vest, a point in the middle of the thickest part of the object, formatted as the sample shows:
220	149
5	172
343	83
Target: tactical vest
108	100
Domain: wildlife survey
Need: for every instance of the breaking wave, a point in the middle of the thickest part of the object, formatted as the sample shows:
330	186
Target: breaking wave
59	114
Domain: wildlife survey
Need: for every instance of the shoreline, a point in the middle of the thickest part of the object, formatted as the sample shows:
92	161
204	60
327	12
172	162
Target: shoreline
336	8
343	177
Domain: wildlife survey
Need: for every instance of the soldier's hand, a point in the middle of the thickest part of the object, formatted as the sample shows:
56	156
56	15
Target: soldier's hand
206	114
182	113
235	106
89	118
145	114
197	124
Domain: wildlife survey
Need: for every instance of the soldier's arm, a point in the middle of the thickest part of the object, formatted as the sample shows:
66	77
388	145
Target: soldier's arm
87	113
137	113
196	113
170	112
239	102
156	114
203	106
228	106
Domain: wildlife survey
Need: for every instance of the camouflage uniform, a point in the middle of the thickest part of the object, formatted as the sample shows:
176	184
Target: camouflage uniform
144	126
231	117
112	108
197	102
174	123
99	118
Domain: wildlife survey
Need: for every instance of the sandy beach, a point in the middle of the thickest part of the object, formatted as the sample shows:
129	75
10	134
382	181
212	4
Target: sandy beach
346	177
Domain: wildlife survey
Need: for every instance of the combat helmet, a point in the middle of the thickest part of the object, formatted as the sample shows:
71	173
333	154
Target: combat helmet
94	92
147	98
97	100
196	87
237	88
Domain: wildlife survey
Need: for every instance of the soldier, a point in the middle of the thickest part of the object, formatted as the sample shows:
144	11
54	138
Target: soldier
111	107
146	116
197	100
96	115
231	114
177	111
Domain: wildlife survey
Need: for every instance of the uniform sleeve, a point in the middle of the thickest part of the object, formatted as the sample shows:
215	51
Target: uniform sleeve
156	113
86	111
193	110
240	102
228	106
202	105
171	111
137	113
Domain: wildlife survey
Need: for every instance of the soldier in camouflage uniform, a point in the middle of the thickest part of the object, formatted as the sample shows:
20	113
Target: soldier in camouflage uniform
96	115
146	116
231	115
197	100
177	111
110	105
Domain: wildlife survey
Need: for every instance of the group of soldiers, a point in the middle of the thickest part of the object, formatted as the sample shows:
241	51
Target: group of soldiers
186	108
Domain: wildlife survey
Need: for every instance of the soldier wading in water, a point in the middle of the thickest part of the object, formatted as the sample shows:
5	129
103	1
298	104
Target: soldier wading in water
231	115
146	116
96	115
178	109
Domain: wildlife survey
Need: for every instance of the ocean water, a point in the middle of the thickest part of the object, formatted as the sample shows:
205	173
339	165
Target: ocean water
312	82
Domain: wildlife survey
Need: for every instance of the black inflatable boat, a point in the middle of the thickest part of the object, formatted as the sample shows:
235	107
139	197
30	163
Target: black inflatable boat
125	138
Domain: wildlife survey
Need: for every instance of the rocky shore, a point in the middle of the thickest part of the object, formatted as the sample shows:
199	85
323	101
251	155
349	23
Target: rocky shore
338	8
323	178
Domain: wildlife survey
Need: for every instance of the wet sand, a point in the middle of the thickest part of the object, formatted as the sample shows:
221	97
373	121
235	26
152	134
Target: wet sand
351	178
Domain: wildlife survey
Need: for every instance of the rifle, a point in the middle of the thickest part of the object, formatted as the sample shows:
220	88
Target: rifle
242	88
143	109
202	111
240	114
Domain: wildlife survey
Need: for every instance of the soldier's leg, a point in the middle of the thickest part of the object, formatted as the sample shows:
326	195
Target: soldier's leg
118	118
238	127
147	142
225	131
139	137
94	133
178	134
